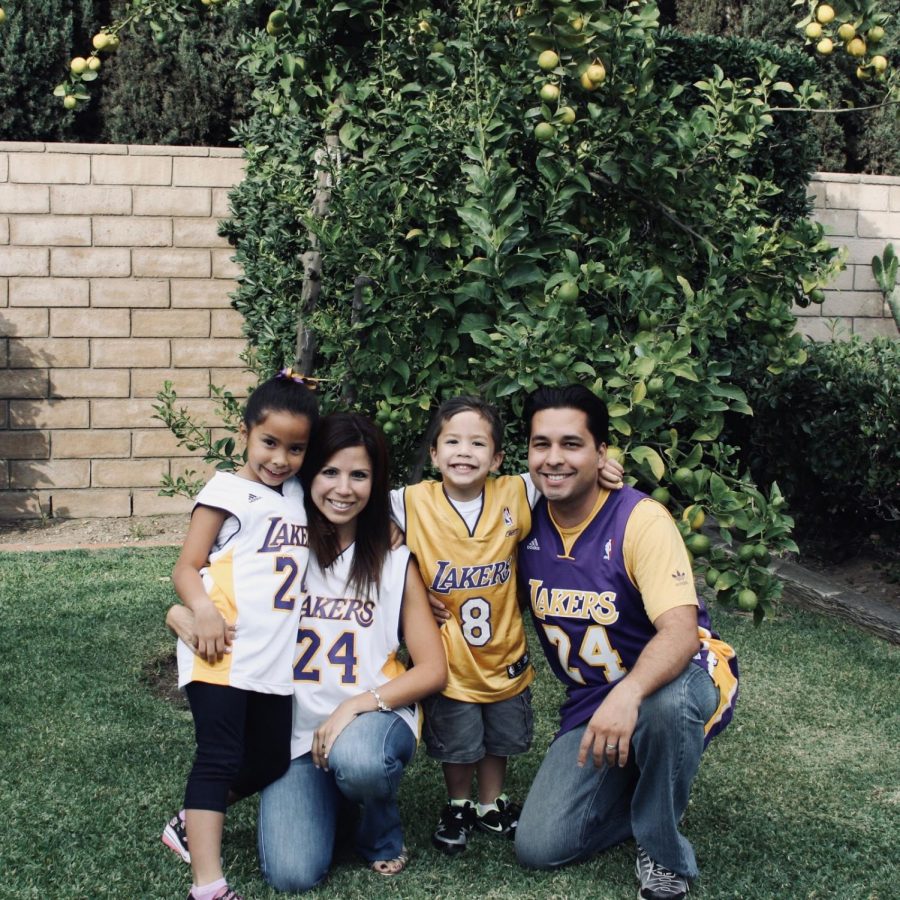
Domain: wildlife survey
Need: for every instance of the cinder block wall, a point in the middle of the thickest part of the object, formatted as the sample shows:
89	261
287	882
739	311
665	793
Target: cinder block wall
862	214
112	280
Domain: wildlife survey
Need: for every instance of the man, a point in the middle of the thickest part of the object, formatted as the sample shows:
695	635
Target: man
647	682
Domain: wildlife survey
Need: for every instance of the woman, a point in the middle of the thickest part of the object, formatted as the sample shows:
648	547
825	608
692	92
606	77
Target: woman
355	718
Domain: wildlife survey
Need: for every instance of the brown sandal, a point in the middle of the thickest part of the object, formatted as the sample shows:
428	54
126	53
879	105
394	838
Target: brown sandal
391	867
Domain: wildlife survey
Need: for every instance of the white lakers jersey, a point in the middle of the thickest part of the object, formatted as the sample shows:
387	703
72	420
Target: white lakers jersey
346	644
254	577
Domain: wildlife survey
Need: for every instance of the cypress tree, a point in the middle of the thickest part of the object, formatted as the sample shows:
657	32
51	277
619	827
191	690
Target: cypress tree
37	41
181	87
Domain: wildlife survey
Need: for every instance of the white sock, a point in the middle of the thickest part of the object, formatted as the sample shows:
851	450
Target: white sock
208	891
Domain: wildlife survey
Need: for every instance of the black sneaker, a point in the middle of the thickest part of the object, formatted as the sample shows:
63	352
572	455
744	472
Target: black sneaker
502	820
658	883
454	828
175	837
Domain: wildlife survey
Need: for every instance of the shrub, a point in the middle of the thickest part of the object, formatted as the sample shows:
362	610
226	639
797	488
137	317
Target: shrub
36	43
178	86
786	155
829	434
857	142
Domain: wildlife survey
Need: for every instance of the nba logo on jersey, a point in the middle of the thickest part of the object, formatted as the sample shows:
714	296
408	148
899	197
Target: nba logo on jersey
507	517
607	549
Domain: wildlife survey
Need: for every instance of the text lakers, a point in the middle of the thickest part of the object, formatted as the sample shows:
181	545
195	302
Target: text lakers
573	604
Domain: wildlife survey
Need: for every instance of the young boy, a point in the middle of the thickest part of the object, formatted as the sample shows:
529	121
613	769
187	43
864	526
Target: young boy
464	531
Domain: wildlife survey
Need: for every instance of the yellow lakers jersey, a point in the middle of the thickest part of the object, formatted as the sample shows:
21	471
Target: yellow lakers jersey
474	575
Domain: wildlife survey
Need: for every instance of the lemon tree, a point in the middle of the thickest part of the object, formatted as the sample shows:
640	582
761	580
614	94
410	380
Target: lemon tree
476	197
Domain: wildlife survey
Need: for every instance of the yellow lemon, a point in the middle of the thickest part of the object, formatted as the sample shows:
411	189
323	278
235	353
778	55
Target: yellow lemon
694	516
596	72
550	93
548	60
586	82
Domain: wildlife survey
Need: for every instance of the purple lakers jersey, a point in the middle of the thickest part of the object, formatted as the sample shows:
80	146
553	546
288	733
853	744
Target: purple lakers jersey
590	616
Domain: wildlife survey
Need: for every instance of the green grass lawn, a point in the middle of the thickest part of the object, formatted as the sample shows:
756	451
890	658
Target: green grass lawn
799	798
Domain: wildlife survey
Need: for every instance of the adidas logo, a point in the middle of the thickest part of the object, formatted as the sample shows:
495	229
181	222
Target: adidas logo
533	545
252	498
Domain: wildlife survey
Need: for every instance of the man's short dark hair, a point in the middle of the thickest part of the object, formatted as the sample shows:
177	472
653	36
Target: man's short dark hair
572	396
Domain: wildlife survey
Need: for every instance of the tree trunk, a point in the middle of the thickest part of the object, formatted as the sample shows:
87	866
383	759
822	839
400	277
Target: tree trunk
327	161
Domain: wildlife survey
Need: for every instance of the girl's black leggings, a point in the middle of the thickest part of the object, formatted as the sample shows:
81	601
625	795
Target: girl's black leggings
243	743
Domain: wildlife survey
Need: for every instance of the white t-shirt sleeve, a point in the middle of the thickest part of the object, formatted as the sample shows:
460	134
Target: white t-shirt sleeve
398	508
531	491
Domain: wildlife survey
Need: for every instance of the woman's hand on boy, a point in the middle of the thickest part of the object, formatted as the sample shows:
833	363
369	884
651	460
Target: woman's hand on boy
438	609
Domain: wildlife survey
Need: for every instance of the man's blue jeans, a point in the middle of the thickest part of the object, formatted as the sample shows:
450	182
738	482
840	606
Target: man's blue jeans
571	813
298	814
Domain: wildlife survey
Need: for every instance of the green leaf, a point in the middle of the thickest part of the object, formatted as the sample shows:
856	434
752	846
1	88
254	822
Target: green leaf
348	135
527	273
685	287
683	371
727	580
651	458
474	322
480	266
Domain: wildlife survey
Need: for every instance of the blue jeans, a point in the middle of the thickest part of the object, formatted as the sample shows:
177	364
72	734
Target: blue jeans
571	813
298	814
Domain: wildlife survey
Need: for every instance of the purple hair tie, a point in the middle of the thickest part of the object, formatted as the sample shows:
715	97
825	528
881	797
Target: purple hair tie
288	374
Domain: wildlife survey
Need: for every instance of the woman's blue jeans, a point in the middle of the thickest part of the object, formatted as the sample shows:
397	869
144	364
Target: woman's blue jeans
571	813
298	814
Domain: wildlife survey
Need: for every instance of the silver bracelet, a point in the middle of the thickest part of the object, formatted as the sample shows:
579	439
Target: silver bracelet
382	706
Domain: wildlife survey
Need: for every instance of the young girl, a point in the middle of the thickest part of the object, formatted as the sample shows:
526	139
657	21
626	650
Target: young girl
241	566
355	718
464	531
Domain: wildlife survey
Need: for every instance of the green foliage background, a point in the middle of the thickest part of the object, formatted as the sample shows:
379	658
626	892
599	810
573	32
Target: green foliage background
36	42
653	248
176	86
184	89
858	142
180	87
838	414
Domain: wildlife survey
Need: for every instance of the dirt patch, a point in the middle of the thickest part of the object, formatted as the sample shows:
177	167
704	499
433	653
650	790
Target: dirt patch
870	565
160	674
62	534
